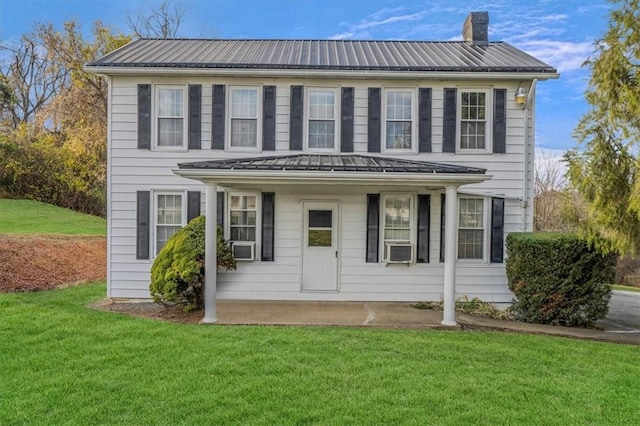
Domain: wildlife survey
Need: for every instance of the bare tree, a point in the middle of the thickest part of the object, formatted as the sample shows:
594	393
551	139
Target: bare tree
31	79
550	194
163	22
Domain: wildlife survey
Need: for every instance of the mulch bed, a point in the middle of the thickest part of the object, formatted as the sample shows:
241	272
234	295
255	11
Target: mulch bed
31	263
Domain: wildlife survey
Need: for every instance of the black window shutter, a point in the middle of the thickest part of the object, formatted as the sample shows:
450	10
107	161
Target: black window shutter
373	224
217	122
499	121
220	208
497	230
295	122
193	205
442	217
195	116
269	118
144	117
449	121
424	214
373	127
143	199
346	126
268	209
424	121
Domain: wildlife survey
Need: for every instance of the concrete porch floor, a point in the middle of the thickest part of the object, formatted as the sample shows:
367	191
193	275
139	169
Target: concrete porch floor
366	314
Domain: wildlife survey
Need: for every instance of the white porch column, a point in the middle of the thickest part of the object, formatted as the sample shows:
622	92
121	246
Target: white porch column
210	255
450	228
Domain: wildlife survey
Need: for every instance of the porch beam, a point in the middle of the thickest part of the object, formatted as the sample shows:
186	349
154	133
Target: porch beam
210	255
451	226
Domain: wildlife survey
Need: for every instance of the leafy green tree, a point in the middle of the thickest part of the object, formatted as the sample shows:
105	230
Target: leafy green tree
605	170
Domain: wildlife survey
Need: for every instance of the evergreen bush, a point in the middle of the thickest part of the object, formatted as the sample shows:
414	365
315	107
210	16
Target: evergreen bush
177	274
558	279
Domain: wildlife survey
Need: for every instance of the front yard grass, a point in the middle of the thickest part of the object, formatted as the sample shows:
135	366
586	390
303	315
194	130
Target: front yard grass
34	217
625	288
63	363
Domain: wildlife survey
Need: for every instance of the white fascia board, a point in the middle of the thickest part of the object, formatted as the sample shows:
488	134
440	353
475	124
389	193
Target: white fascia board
304	73
227	176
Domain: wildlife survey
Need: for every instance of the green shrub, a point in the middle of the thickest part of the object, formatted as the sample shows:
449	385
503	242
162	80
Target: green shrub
177	274
558	279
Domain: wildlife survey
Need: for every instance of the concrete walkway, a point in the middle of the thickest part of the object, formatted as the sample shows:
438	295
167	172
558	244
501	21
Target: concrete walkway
387	314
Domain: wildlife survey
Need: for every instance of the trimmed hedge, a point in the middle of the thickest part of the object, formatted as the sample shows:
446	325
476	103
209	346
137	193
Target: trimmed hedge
177	274
558	279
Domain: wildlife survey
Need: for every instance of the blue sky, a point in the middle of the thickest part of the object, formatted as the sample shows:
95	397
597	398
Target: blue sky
560	33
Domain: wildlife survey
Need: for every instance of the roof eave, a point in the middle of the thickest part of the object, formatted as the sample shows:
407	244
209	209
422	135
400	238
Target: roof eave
322	73
300	177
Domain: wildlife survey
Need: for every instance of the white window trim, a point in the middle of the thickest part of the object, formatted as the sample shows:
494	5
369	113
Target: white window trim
486	223
154	211
413	222
414	121
227	218
488	142
337	113
259	95
156	116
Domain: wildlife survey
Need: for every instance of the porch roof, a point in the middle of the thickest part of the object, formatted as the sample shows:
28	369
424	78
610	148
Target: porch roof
326	168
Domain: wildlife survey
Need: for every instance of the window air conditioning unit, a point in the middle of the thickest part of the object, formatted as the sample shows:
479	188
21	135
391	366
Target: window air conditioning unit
243	250
399	252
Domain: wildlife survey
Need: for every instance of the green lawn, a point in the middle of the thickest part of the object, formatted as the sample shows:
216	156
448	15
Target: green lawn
63	363
33	217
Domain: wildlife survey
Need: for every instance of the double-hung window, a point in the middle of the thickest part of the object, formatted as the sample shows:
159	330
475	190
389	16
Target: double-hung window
474	109
322	111
471	228
170	217
397	220
398	119
170	113
244	112
243	226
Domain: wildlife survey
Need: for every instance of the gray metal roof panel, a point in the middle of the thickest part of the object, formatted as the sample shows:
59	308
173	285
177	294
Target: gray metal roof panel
323	54
332	163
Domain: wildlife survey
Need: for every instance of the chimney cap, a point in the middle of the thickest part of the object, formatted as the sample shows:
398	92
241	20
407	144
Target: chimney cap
476	28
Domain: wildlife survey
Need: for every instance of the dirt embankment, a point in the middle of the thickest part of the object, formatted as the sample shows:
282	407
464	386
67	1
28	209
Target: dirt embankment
30	263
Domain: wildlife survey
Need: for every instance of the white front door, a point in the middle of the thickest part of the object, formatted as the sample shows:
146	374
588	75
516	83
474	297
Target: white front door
320	246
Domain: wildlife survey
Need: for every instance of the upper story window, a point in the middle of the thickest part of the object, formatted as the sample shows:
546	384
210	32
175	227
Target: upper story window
321	123
399	112
471	228
244	111
473	113
170	112
170	214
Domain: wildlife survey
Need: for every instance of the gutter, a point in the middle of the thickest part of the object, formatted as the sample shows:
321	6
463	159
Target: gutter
528	107
306	73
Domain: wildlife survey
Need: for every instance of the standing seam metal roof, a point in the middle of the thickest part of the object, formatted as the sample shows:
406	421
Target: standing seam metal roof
332	163
324	55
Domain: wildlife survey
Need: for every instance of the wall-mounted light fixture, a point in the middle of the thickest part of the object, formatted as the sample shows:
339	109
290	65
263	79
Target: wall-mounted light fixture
521	96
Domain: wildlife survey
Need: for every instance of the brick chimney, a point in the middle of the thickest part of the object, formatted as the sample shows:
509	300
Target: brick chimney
476	28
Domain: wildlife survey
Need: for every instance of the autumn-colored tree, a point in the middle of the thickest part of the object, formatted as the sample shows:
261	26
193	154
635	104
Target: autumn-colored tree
605	169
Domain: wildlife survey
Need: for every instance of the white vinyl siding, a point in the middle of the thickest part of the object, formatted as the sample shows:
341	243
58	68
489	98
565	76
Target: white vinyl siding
471	228
474	125
322	111
170	112
399	120
132	169
243	118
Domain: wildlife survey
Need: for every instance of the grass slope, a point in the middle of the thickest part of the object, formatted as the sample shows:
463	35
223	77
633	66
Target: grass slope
63	363
34	217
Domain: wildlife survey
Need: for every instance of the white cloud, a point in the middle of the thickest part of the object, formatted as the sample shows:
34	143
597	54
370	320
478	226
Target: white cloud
564	55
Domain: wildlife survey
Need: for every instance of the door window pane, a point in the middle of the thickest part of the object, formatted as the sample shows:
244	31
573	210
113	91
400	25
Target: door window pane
319	237
320	218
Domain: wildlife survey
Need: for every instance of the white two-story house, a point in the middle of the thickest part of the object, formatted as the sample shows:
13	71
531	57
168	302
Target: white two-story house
339	170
